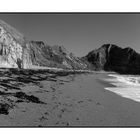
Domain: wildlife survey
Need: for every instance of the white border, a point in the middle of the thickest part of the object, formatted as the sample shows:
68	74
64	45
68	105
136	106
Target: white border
69	133
69	6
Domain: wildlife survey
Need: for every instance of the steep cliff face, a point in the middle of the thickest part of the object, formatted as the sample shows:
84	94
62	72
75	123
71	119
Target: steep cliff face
39	54
17	52
113	58
11	46
97	58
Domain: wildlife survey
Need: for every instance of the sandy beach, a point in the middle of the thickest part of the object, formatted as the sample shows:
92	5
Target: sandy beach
72	100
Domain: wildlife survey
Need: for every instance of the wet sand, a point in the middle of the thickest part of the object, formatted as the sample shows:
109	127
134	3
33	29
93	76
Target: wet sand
45	99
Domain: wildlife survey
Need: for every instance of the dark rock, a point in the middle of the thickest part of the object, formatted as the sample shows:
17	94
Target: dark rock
29	98
5	105
113	58
4	108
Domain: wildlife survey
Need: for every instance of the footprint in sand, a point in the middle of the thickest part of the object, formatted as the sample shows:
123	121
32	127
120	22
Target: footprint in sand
79	102
46	113
97	103
43	118
77	119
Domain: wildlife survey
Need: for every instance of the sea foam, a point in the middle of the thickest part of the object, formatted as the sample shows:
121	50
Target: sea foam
127	86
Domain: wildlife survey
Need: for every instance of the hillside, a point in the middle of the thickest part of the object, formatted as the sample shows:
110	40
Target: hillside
17	52
110	57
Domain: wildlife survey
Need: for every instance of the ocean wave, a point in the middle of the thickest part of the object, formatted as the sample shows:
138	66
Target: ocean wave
127	86
127	79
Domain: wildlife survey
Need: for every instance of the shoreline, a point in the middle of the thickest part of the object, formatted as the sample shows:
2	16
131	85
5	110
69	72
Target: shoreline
68	101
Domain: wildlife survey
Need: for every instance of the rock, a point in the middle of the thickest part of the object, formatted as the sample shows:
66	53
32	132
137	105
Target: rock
40	54
110	57
5	105
29	98
18	52
4	109
11	44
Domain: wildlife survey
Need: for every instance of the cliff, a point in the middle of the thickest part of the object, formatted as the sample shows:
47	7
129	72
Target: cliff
110	57
36	53
11	46
17	52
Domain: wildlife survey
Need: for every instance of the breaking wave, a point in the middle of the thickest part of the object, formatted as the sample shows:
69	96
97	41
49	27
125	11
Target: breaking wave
127	86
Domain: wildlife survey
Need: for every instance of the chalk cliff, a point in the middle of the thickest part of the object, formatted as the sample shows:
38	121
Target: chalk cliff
11	46
18	52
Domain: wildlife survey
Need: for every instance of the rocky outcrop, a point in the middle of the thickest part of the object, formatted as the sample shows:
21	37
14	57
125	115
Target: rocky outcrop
17	52
113	58
11	46
36	53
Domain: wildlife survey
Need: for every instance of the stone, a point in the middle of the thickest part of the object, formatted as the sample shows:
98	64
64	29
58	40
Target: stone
18	52
110	57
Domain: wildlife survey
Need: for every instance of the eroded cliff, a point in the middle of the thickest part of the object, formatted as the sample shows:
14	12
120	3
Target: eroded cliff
111	57
11	46
17	52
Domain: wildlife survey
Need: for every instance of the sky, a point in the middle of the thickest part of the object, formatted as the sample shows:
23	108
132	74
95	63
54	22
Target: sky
79	33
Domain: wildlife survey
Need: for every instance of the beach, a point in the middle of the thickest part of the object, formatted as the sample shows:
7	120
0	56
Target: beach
71	100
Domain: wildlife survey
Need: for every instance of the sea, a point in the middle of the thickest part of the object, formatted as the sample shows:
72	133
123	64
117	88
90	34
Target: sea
127	86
